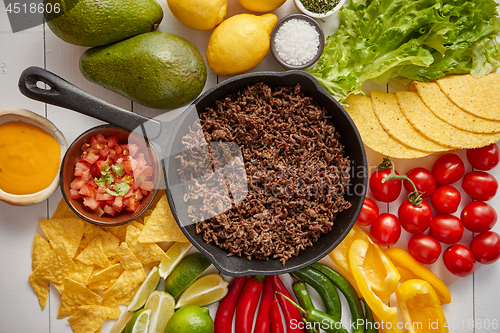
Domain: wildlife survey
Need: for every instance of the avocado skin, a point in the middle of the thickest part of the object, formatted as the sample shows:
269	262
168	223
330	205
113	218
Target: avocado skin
101	22
155	69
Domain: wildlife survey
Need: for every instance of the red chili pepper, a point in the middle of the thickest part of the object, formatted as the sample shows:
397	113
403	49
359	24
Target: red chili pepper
247	304
263	321
292	315
276	322
223	322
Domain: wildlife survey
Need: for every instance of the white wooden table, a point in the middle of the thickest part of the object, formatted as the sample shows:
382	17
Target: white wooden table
475	299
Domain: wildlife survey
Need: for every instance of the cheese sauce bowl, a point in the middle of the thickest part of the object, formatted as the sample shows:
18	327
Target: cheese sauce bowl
29	118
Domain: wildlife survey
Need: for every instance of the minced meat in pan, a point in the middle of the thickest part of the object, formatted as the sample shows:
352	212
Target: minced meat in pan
295	167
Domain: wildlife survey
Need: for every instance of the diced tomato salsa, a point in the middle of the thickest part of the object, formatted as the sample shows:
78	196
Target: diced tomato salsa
110	176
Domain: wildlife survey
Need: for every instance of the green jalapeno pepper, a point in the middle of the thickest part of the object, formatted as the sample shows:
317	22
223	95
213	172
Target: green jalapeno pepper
370	325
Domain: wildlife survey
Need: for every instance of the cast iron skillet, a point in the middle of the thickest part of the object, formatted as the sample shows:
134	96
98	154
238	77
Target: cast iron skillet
167	136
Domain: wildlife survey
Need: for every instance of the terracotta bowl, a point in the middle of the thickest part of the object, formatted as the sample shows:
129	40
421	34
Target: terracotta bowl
68	167
8	115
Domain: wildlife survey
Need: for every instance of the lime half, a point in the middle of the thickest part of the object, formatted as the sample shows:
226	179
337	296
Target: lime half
175	252
186	272
120	324
204	291
161	305
139	322
148	286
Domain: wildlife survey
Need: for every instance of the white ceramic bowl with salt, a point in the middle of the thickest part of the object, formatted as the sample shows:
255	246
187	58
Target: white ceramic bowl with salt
335	9
297	41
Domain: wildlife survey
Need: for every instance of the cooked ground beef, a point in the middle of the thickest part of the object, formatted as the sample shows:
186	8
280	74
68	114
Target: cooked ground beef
295	167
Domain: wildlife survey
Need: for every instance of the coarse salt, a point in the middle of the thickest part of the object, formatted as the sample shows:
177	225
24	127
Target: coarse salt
296	42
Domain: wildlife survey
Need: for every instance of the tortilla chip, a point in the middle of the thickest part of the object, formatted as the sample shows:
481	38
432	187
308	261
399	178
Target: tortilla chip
161	226
446	110
420	116
41	248
128	281
477	96
111	303
63	211
105	278
127	258
392	119
75	295
146	252
54	268
81	272
68	231
110	242
89	318
373	134
93	254
125	300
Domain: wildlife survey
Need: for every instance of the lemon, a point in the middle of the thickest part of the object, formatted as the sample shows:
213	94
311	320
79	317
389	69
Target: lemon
186	272
139	322
147	287
204	291
175	252
192	319
240	43
162	308
121	323
261	6
199	14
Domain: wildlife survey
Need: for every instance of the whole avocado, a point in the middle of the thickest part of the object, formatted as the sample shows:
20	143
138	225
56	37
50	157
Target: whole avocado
96	23
155	69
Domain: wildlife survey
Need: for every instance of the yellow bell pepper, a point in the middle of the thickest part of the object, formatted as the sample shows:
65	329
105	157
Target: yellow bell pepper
383	327
420	307
410	268
375	276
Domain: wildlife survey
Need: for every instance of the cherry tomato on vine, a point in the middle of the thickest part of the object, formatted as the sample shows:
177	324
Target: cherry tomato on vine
478	216
485	158
486	247
386	230
369	212
480	185
423	179
459	260
426	249
447	229
384	192
415	219
446	199
448	169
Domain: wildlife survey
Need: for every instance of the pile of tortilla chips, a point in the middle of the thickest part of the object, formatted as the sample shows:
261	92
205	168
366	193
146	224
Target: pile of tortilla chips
454	112
97	268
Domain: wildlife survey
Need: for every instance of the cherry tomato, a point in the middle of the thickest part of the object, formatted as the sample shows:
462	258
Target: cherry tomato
424	248
480	185
369	212
446	199
486	247
459	260
447	229
478	216
415	219
448	169
485	158
384	192
423	180
386	230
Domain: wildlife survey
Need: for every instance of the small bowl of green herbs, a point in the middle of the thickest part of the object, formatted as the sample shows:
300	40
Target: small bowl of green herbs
319	8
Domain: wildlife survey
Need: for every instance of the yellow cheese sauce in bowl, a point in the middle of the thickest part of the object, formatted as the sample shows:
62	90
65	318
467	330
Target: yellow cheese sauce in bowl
31	151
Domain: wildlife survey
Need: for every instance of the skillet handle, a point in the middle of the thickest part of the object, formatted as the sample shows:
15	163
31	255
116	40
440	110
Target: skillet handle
63	93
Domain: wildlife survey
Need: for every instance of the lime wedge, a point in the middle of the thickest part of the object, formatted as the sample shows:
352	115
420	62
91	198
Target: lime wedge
186	272
139	322
147	287
175	252
162	306
204	291
120	324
